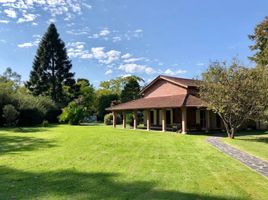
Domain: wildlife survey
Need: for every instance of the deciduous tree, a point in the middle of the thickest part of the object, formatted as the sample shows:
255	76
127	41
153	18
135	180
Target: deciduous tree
235	93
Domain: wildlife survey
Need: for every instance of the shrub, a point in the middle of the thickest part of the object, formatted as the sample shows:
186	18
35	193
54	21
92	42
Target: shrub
30	117
10	115
73	113
45	123
108	119
130	118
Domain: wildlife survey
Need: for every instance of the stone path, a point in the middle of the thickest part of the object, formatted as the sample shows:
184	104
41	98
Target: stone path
254	163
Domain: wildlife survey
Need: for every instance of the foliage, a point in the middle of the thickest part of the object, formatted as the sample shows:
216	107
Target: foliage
45	123
131	90
260	37
51	74
116	85
33	109
74	113
104	101
108	119
10	114
235	93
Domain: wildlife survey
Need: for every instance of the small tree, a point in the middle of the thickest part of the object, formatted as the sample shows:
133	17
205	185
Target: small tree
10	114
235	93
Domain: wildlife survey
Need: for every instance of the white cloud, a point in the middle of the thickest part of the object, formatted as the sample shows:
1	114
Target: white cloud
172	73
101	34
104	32
10	13
105	57
116	38
200	64
109	71
136	68
139	31
27	18
77	50
67	8
126	56
4	21
26	45
131	60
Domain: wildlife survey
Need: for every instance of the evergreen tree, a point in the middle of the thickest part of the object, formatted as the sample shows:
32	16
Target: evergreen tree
131	90
51	74
260	37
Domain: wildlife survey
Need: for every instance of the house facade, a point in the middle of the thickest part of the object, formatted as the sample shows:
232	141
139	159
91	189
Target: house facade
170	103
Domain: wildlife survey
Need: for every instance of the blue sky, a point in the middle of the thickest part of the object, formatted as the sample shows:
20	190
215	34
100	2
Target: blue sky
110	38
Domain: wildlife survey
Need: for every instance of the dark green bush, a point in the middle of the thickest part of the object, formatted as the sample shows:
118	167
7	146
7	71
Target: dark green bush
45	123
108	119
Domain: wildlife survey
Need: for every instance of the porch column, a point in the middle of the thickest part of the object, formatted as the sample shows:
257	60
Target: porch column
114	119
207	120
183	120
134	119
148	120
124	119
163	118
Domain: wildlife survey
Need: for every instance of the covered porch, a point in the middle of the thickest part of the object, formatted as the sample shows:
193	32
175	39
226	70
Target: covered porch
182	120
181	113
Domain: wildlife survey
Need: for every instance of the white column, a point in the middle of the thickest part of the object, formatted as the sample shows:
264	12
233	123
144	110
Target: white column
183	120
163	118
148	120
114	119
135	119
124	119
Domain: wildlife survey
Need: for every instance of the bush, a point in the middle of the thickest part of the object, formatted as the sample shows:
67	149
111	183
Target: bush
108	119
45	123
30	117
10	114
73	113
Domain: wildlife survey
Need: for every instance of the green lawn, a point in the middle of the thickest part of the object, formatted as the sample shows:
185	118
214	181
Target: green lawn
99	162
255	143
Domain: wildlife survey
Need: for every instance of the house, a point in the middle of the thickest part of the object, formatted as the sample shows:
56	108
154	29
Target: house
169	102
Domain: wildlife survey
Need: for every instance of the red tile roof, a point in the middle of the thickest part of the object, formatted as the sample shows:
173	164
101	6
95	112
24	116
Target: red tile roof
160	102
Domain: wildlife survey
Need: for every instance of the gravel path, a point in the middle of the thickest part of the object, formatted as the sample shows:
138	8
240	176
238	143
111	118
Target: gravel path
254	163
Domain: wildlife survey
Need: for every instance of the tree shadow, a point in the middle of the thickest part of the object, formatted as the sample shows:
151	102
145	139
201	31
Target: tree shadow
255	139
15	144
71	184
25	129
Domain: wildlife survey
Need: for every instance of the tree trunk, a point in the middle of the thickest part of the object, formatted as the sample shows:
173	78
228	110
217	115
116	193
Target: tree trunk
231	133
230	130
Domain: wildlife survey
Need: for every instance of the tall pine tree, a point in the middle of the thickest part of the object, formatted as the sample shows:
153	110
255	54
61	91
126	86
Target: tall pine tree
51	74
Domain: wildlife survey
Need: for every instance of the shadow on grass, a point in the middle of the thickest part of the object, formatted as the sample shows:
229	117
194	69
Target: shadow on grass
255	139
15	144
36	129
71	184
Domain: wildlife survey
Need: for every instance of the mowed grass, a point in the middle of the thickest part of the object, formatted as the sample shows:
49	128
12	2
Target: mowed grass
252	143
99	162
